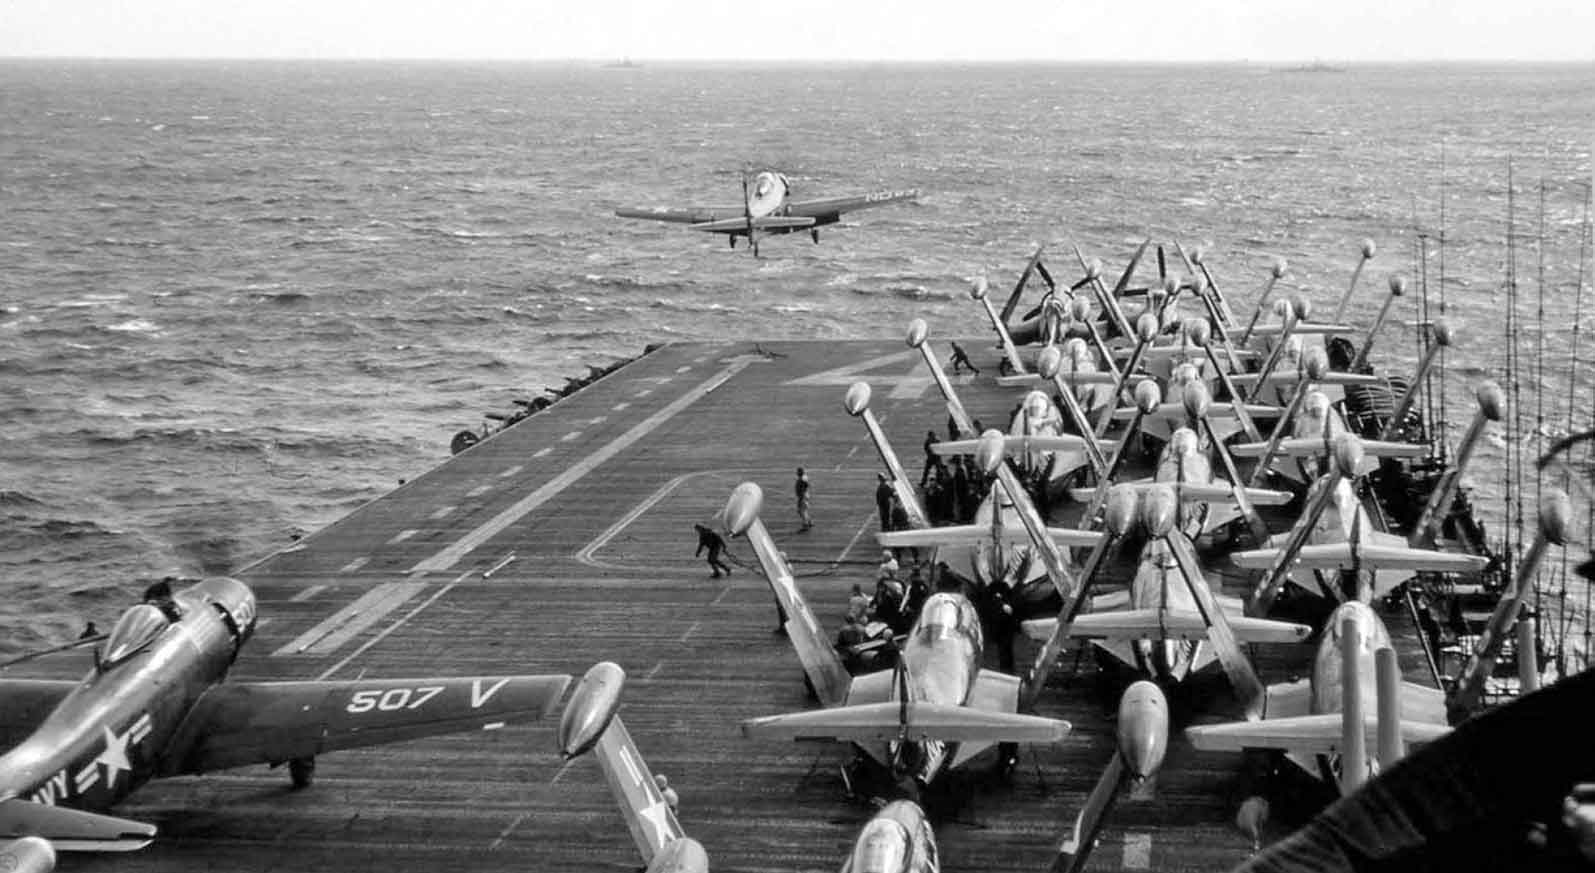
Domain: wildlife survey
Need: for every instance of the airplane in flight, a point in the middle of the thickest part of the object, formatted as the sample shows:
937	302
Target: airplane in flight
767	208
157	703
934	711
897	839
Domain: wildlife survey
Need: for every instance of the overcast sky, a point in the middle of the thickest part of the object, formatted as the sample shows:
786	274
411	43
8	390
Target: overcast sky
1134	30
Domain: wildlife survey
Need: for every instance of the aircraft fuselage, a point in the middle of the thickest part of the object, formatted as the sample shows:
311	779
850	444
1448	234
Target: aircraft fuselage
1158	584
898	839
942	660
116	730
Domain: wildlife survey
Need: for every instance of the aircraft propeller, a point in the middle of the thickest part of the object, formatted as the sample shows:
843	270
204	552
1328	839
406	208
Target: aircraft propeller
747	215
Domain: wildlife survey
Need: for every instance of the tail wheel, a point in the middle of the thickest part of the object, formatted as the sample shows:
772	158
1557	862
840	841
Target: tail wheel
302	771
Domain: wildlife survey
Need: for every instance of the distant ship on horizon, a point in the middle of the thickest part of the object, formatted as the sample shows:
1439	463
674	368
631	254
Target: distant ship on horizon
622	64
1317	66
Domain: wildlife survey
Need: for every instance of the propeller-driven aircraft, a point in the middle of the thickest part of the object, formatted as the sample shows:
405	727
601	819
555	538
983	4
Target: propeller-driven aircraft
1320	722
156	704
934	711
767	208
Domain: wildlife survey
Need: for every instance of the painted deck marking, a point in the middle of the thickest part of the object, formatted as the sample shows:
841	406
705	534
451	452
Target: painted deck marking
621	406
691	630
570	436
506	832
488	573
402	535
684	369
354	565
721	596
440	512
1137	851
653	672
396	625
542	451
511	471
609	533
452	555
343	625
479	490
644	392
561	774
307	593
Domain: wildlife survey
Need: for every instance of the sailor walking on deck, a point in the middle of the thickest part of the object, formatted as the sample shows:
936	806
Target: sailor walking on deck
708	539
960	360
883	500
801	489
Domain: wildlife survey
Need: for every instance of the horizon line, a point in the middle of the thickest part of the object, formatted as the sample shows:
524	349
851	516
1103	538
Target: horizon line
636	60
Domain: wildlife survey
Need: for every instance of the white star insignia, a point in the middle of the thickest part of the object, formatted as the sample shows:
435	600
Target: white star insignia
114	757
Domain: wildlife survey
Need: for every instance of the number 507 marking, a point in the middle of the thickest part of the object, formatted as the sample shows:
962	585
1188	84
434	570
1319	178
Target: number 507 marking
392	699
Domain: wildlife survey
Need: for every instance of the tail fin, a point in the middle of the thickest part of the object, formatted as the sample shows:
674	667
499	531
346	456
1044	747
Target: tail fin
821	664
660	839
1353	739
73	830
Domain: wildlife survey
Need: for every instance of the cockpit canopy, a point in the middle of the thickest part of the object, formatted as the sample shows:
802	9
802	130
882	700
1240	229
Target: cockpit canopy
135	631
882	847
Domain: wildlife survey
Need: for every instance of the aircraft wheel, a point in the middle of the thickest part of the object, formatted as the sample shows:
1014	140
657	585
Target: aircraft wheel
462	441
815	235
302	771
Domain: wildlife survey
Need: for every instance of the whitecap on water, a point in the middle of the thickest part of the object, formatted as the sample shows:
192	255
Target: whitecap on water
135	325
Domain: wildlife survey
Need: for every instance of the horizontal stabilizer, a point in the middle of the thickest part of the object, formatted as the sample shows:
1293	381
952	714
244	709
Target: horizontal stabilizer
1082	377
880	722
1177	412
768	222
1309	447
72	830
976	534
1286	377
1141	624
1014	445
1301	735
1301	327
1209	492
1341	556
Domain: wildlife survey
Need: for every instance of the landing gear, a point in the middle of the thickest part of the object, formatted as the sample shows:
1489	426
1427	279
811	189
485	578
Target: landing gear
755	245
814	234
301	772
731	239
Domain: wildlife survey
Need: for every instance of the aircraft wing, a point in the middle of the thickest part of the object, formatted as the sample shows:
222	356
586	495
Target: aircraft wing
682	215
1309	447
915	721
1301	735
1209	492
767	222
71	830
1290	377
830	209
1141	624
975	534
1368	556
652	823
26	703
239	723
1176	412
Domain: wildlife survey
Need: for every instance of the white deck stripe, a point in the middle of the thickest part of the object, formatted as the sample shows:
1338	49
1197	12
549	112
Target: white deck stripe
598	542
541	452
398	594
354	565
362	613
307	593
402	535
451	555
1137	851
575	434
511	471
479	490
393	627
440	512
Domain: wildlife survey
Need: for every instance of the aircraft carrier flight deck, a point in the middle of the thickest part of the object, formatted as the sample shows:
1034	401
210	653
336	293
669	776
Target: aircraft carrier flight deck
568	539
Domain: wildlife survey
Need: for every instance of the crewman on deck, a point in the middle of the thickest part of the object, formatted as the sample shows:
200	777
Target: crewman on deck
933	461
708	539
857	604
883	500
665	791
89	632
801	489
960	360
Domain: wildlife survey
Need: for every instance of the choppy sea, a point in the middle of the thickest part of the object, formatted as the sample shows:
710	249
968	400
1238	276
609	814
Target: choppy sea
239	299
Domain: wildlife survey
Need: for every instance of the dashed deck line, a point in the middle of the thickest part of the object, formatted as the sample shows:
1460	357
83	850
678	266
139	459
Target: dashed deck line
402	535
511	471
306	593
479	490
440	512
356	564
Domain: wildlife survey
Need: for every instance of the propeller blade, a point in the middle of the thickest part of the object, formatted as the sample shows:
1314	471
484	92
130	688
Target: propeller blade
1162	266
1129	270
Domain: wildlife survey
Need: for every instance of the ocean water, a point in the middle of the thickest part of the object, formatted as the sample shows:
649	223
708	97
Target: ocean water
237	300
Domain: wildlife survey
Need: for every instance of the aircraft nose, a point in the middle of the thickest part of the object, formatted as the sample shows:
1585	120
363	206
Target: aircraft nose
1143	728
